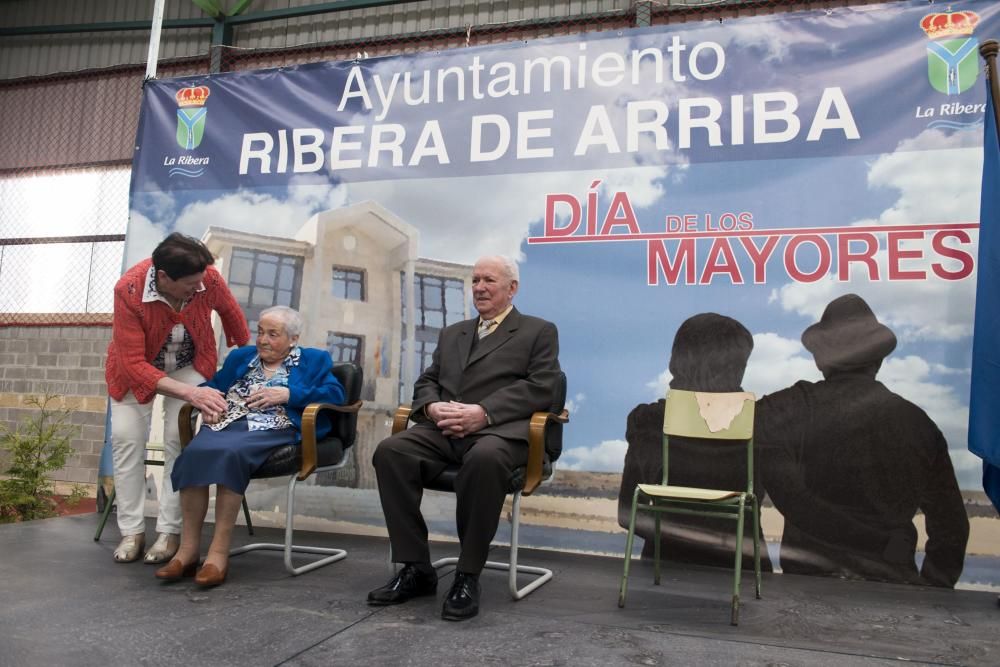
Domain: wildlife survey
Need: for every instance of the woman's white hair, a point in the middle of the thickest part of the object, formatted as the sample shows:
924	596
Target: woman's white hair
289	317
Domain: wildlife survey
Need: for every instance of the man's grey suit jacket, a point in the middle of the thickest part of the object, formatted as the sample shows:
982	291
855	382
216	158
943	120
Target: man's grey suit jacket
512	373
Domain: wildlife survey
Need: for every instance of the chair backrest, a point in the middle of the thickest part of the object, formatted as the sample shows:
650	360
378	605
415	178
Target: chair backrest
554	433
709	416
345	427
689	413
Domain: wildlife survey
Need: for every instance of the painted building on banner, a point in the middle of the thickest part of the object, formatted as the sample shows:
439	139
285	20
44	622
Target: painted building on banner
355	274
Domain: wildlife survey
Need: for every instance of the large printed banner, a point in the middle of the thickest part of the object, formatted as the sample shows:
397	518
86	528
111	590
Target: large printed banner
758	168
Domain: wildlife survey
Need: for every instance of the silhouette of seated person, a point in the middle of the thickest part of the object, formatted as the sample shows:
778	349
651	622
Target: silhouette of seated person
849	463
709	353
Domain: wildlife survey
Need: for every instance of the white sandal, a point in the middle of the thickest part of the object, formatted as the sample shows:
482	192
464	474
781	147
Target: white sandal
163	548
130	548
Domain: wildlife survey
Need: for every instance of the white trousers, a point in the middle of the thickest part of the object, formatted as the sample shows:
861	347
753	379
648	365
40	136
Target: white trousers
130	422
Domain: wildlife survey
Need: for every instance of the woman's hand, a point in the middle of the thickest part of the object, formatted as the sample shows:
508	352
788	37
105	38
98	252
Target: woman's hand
268	397
212	417
210	402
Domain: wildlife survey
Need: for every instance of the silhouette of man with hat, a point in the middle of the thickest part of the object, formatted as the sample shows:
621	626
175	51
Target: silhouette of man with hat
849	463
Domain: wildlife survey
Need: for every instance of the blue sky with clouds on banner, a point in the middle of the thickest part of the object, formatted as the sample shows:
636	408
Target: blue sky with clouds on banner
616	330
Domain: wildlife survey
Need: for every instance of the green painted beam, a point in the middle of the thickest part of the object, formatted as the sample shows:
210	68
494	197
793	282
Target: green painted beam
114	26
222	35
210	7
312	10
240	7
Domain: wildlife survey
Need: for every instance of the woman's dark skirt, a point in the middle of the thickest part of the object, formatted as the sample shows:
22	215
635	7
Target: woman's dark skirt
227	457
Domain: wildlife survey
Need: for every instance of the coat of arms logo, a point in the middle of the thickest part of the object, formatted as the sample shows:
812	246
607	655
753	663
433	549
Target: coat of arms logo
952	61
191	113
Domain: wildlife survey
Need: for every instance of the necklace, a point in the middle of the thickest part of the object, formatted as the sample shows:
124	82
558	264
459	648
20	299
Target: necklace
270	370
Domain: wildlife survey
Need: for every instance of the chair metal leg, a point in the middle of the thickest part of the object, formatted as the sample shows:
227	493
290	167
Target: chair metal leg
656	550
628	549
108	504
246	515
756	546
513	568
735	618
542	575
331	555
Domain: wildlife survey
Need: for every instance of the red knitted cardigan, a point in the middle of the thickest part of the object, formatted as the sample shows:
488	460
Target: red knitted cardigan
139	330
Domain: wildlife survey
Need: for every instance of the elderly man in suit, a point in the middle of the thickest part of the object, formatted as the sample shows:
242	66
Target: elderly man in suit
472	407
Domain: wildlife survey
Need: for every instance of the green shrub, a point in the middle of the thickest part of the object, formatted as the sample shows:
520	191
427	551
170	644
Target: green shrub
39	444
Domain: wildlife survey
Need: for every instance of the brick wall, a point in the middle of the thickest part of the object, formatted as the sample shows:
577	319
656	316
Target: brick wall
65	361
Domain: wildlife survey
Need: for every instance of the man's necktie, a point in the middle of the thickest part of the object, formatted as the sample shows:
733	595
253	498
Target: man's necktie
485	328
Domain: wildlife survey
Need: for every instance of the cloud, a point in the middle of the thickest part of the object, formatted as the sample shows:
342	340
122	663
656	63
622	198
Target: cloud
574	402
911	378
774	39
256	212
493	214
937	176
776	363
143	235
607	456
902	306
156	204
660	384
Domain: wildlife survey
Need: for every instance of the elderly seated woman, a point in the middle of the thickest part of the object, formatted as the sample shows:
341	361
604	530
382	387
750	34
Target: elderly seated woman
267	387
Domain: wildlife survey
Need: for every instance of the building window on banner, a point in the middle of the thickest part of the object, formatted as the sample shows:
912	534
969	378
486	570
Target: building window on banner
348	283
440	302
261	279
344	347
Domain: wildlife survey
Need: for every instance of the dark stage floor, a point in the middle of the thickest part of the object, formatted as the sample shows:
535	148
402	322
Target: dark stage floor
63	601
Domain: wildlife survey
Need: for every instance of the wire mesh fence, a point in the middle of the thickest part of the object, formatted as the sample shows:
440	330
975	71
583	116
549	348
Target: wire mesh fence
68	138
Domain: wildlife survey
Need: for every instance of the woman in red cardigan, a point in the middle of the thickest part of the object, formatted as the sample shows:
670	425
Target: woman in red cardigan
162	342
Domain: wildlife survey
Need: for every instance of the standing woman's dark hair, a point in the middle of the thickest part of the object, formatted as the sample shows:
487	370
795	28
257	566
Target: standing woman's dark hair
179	256
710	353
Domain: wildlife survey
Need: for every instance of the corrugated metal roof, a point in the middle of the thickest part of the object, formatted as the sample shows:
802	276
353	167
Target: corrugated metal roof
38	55
22	56
405	19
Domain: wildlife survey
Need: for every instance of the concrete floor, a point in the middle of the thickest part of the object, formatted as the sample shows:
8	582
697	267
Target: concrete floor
63	601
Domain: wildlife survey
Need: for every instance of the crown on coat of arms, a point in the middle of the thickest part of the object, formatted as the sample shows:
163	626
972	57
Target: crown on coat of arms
192	97
953	24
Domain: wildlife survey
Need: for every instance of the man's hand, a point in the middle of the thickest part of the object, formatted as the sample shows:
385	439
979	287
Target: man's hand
210	402
268	397
457	420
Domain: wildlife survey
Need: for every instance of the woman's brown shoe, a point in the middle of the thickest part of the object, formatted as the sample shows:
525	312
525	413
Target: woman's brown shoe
175	570
209	576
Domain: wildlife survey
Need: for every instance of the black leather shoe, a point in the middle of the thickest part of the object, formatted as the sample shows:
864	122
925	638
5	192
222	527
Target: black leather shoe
409	582
463	598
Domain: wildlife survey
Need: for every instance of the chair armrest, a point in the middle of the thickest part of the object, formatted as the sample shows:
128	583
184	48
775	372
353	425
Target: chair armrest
536	447
184	427
309	456
401	419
